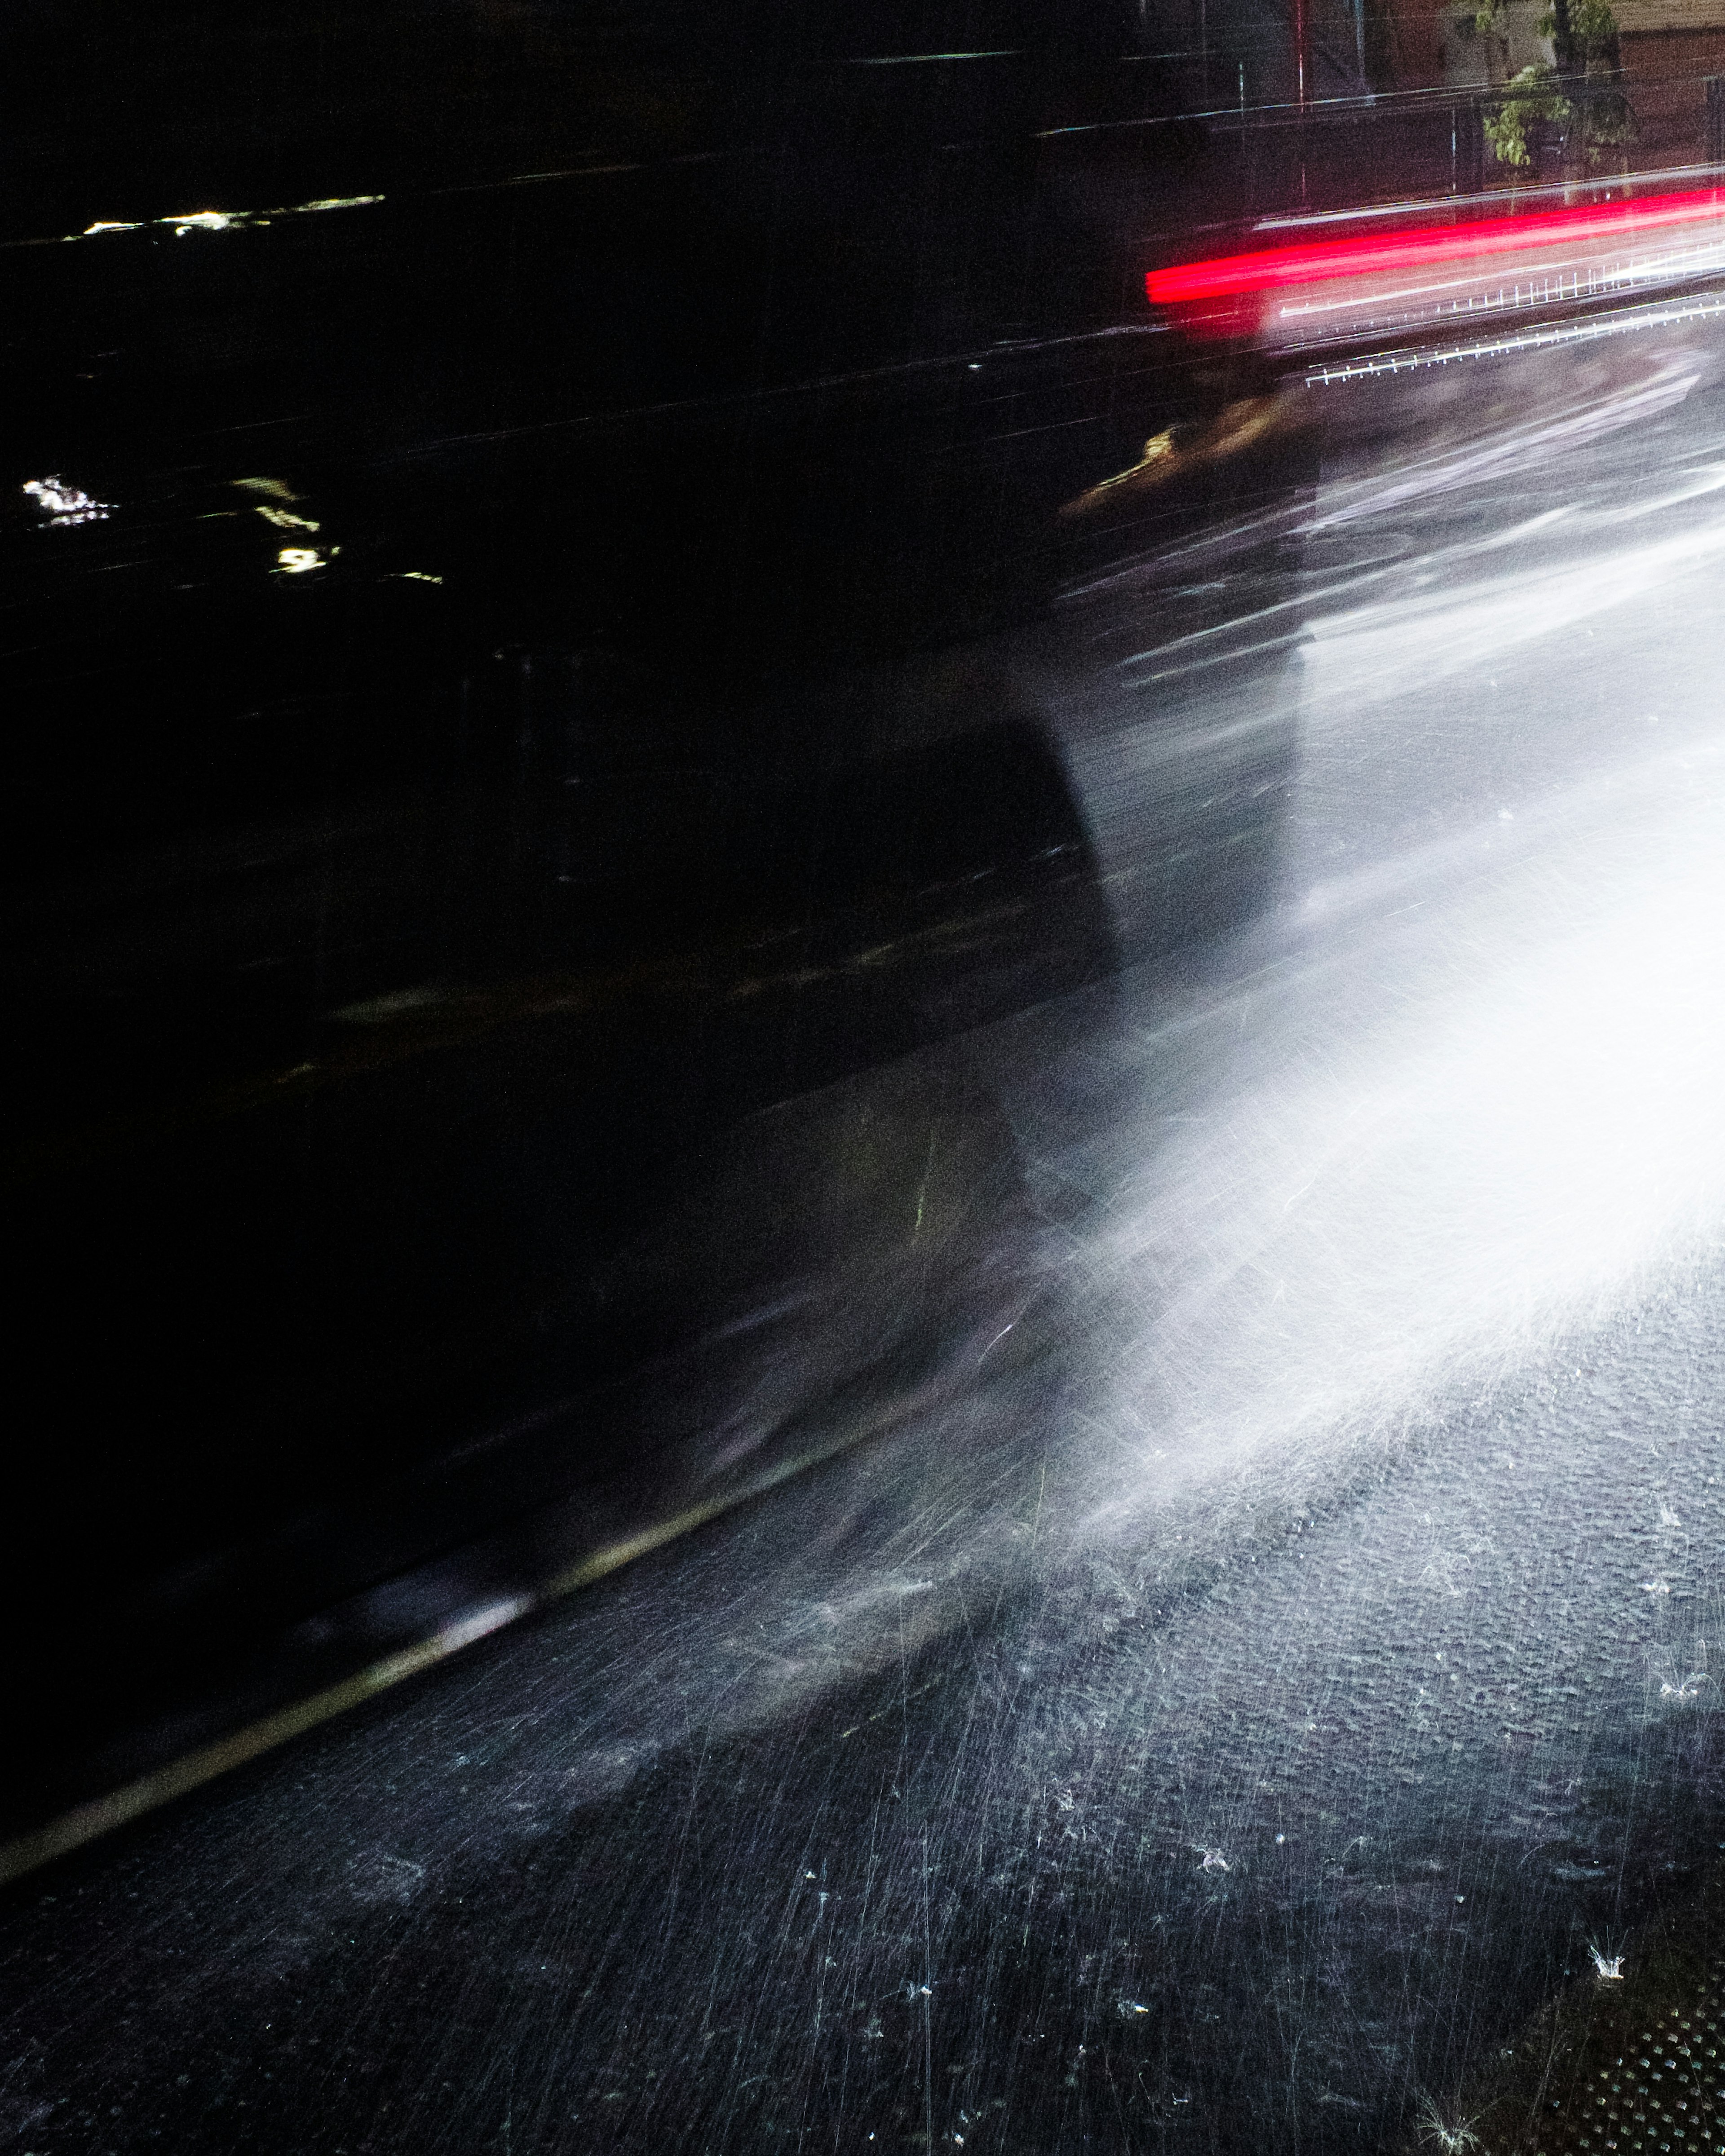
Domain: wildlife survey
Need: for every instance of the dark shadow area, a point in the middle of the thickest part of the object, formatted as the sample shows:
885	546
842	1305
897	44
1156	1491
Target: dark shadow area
509	834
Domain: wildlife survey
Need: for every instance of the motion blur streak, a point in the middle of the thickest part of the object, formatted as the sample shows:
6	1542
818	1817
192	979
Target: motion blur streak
1268	267
1515	448
1381	280
1462	1094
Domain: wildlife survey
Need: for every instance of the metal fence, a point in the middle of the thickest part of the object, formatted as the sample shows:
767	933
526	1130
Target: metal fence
1348	152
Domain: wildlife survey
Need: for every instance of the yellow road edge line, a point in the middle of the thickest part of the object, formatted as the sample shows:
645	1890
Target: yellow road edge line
88	1822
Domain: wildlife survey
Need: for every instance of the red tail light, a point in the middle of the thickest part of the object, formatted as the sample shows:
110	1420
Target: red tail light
1378	283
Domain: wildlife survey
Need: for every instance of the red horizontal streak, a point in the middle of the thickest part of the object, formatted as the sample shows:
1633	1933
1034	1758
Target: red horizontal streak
1231	275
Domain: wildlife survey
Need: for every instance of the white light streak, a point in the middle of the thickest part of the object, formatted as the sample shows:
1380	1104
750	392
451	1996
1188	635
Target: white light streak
66	504
182	222
921	60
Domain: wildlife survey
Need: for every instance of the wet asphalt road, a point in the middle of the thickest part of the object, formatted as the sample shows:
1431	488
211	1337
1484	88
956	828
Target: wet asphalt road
1227	1715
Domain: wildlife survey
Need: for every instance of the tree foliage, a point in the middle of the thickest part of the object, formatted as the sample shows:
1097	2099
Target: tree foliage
1582	97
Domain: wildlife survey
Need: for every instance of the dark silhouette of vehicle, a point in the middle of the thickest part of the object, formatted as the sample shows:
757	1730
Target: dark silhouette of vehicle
490	949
